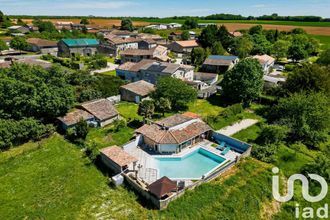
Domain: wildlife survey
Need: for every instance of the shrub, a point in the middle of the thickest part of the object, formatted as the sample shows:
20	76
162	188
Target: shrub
232	110
264	153
13	132
272	134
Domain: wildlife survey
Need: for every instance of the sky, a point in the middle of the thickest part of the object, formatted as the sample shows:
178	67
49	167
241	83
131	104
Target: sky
164	8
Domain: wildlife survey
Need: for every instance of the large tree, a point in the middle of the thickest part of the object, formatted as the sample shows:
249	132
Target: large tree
306	115
19	43
242	46
146	108
297	52
198	56
126	24
178	92
280	49
208	36
217	49
244	82
84	21
30	91
260	44
309	77
324	58
190	23
224	37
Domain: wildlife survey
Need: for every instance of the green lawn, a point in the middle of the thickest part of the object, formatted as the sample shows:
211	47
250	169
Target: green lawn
248	135
104	137
128	110
204	108
109	73
53	180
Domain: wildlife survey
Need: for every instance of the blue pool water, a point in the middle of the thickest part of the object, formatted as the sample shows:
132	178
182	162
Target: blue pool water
191	166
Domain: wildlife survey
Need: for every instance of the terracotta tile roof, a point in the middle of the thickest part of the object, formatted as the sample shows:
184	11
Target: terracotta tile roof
264	59
102	109
173	120
162	187
191	115
118	155
126	66
42	42
187	43
141	87
119	40
75	116
217	60
166	135
144	52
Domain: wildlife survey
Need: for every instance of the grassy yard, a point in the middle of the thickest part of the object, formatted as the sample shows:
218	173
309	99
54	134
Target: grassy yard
109	73
248	135
128	110
204	108
106	136
53	180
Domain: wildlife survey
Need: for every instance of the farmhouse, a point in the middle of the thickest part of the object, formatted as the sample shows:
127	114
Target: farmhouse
103	111
173	134
42	46
150	71
73	47
136	91
183	47
112	44
219	64
136	55
266	61
72	118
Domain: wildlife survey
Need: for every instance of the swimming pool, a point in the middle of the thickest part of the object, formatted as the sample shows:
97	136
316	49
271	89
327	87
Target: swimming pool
191	166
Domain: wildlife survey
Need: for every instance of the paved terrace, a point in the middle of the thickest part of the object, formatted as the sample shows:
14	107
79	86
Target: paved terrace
147	165
233	129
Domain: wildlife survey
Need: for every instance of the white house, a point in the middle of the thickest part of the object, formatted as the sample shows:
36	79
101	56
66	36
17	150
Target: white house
266	61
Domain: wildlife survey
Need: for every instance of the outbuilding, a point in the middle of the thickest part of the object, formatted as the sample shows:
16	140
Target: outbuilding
117	159
136	91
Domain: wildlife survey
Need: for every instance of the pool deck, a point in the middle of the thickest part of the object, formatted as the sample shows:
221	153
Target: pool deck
147	168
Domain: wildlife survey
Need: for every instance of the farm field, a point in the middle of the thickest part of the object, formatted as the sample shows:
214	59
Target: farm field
315	28
324	41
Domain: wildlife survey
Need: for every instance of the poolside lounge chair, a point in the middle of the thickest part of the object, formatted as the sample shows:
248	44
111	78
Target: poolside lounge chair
225	151
221	146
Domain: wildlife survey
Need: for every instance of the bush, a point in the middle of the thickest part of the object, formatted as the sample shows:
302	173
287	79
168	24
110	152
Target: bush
232	110
272	134
13	132
78	133
264	153
119	124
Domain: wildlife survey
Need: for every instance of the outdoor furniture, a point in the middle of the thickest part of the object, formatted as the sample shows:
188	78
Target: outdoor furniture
221	146
225	151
